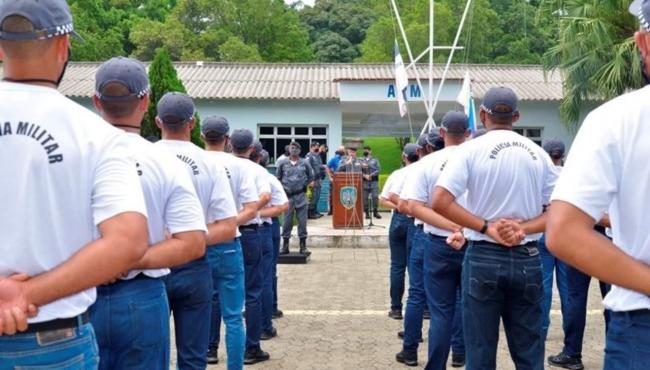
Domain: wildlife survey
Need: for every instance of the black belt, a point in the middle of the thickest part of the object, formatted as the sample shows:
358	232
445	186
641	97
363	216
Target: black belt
267	224
297	192
529	244
249	227
58	324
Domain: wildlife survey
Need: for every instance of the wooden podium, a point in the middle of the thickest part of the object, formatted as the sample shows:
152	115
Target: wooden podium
347	204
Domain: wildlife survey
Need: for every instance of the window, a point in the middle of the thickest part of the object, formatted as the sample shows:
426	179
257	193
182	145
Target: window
275	137
533	133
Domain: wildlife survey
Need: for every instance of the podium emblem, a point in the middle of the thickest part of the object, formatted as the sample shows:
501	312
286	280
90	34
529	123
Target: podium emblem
348	197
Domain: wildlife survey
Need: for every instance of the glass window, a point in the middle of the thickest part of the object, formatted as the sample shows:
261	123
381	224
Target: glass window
267	130
319	131
534	134
275	137
301	131
284	131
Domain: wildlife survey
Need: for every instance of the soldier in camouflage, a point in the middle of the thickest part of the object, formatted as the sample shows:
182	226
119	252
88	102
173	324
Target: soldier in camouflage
371	169
296	175
316	163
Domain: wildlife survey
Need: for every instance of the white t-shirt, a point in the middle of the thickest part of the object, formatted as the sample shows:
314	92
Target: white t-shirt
505	175
393	184
607	171
209	179
423	178
64	171
401	184
262	183
278	196
172	203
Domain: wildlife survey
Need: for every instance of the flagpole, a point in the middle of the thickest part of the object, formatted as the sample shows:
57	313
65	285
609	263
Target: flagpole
408	50
451	55
429	122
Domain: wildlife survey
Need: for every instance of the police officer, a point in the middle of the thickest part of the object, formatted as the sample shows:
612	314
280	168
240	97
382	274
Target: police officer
278	205
189	287
442	263
295	174
226	259
316	164
370	183
256	252
398	232
139	298
74	180
490	170
350	163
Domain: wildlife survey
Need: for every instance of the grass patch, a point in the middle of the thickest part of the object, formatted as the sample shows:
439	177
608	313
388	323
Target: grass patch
387	151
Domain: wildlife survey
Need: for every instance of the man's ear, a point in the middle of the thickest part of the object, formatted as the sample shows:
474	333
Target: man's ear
159	123
62	48
442	132
639	39
515	117
97	103
144	104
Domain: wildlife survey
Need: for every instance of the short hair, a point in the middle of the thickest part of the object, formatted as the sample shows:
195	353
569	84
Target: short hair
502	119
22	49
118	108
214	140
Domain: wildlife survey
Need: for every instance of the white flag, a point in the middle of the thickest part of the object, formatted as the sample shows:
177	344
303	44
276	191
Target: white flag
401	82
465	93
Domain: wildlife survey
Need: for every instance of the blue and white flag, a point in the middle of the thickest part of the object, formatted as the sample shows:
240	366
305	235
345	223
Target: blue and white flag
466	99
401	82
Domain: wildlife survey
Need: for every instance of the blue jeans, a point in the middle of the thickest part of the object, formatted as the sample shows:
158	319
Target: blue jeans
189	289
503	283
266	242
227	264
131	321
416	300
628	341
276	253
551	264
397	238
443	266
252	248
575	316
24	350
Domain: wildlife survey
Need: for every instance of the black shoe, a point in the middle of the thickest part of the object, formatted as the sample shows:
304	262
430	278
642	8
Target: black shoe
426	315
329	213
285	247
277	314
400	335
266	335
254	356
395	314
377	215
303	248
457	360
319	215
213	357
566	362
406	358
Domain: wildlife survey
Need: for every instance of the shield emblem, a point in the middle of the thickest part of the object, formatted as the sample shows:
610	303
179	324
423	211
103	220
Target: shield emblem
348	197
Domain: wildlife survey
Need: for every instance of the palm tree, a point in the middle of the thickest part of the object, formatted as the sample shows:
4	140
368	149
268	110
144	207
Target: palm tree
595	52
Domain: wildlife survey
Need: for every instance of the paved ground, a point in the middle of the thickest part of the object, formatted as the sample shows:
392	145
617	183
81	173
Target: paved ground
335	317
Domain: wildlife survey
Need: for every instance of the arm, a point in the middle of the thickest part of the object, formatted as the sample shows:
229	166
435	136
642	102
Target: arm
247	213
222	231
274	211
571	237
265	198
605	222
122	244
403	207
429	216
387	203
181	248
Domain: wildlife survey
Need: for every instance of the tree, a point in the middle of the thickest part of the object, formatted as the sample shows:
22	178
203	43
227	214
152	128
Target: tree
234	50
163	78
595	52
336	28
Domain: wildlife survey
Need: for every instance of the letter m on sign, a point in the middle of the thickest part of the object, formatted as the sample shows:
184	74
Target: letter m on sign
415	91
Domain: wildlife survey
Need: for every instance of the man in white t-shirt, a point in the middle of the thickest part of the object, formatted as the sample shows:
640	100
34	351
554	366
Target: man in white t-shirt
73	213
442	263
507	178
278	204
606	170
189	287
252	243
398	232
139	297
226	259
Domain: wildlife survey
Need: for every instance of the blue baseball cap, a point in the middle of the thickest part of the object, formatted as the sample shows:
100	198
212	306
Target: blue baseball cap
500	102
215	127
124	71
50	18
242	139
410	149
175	109
641	10
555	148
455	123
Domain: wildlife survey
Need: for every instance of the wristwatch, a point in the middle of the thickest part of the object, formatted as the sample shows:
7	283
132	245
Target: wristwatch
485	227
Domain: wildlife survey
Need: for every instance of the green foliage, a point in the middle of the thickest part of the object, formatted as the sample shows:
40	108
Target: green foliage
234	50
595	52
163	79
387	151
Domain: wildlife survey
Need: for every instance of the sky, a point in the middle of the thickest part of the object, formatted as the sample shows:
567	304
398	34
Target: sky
307	2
